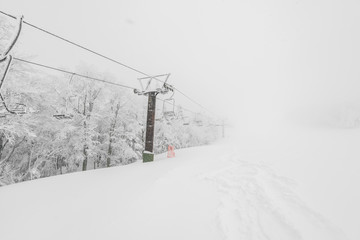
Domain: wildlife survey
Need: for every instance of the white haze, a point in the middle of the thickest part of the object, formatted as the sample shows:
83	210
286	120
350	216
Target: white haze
264	66
251	62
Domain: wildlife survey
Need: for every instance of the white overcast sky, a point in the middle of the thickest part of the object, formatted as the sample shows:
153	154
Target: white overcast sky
245	60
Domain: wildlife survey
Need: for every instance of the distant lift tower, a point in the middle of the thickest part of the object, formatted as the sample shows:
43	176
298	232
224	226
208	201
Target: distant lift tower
152	86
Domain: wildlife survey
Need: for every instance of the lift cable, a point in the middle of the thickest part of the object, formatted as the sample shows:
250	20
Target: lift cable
84	76
192	100
103	56
82	47
73	73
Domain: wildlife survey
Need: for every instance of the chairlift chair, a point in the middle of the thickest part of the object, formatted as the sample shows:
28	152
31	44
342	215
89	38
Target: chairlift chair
169	113
186	121
18	108
65	114
15	105
62	116
159	119
198	122
169	107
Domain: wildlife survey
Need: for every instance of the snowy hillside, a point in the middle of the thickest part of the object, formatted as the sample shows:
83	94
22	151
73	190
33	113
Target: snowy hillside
222	191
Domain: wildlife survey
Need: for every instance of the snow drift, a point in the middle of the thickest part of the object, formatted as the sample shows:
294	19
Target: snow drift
210	192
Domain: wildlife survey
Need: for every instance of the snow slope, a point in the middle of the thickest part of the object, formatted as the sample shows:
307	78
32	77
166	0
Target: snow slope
222	191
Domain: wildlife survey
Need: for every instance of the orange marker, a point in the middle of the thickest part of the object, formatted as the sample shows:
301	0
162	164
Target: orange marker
171	152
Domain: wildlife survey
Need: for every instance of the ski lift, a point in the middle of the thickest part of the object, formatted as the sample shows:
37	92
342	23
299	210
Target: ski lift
63	116
186	121
14	105
15	108
180	115
198	121
66	114
169	107
18	108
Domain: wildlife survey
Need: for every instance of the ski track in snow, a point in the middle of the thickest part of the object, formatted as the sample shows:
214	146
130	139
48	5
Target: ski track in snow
257	204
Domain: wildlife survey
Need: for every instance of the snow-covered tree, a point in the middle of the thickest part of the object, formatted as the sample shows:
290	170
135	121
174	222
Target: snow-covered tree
65	123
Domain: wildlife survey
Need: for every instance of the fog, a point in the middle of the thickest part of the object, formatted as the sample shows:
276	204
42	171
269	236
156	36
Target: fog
270	69
254	63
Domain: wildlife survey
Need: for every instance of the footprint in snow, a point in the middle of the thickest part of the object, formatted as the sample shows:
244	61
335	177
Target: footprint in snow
257	204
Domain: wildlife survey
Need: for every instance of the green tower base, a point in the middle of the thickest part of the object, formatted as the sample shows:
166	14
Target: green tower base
148	156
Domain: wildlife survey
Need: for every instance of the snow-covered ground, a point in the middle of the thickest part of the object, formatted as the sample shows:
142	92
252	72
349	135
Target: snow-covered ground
298	185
